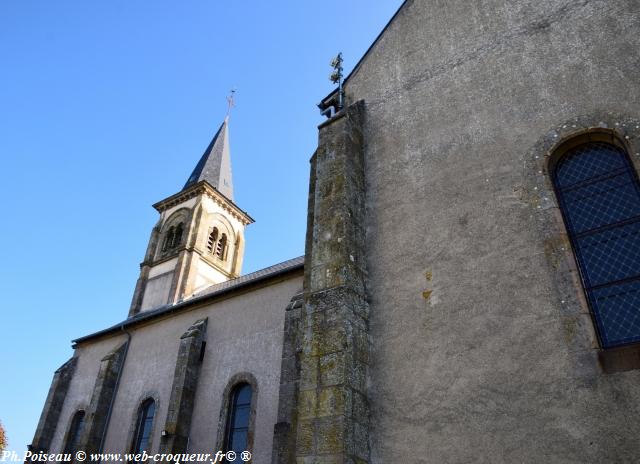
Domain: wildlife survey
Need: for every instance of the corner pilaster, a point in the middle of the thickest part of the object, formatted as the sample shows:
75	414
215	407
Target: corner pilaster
183	390
284	437
332	404
53	407
104	390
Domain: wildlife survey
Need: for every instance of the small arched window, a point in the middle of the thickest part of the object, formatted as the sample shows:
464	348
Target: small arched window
237	431
222	247
75	431
168	239
177	236
599	196
144	424
212	241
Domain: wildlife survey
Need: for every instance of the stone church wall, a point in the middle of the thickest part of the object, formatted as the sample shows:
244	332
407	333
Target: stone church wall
243	337
483	350
81	386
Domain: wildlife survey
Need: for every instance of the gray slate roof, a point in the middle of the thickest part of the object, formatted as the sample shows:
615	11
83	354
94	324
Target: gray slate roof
262	273
209	292
215	164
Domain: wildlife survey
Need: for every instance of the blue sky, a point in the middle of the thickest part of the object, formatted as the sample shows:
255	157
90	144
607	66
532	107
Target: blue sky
105	108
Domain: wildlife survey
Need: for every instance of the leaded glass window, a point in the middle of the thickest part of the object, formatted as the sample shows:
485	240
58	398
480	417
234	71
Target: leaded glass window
75	431
144	426
237	433
599	196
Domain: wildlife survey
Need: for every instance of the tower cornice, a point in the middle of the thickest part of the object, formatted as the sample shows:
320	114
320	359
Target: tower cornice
204	188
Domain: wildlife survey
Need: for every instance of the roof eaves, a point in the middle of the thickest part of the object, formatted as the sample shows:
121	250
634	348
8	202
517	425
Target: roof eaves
160	205
241	282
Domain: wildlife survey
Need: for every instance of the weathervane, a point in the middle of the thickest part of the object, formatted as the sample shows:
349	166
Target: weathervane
336	78
230	101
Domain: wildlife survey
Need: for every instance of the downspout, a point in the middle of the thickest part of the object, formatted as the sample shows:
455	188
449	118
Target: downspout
115	389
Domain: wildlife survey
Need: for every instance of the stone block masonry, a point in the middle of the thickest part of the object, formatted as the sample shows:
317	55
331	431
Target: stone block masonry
53	407
332	407
103	393
183	390
284	437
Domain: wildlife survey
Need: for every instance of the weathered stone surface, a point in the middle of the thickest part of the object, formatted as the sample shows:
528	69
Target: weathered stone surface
464	100
50	416
334	348
284	437
183	389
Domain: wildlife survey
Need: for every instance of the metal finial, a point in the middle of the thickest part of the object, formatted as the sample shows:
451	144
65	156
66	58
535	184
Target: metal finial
336	77
230	101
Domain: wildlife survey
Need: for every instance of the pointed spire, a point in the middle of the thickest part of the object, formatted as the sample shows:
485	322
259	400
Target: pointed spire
215	164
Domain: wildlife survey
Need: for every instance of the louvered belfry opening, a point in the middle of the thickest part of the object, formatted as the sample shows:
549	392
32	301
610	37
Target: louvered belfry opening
177	237
599	196
173	237
217	244
222	246
212	240
168	239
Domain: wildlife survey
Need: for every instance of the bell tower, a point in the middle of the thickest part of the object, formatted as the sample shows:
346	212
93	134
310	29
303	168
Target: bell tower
199	238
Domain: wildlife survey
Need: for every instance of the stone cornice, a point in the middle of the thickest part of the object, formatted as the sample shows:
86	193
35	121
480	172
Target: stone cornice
204	188
192	249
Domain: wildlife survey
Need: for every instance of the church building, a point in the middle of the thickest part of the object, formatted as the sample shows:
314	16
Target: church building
470	289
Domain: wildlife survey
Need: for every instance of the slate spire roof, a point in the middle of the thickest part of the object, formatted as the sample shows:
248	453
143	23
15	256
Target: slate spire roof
215	164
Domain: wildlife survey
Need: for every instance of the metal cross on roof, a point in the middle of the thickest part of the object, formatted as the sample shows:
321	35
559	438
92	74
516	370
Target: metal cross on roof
231	101
336	77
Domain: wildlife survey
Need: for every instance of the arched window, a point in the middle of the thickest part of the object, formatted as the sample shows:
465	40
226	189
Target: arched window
222	247
212	241
177	236
144	425
168	239
75	431
237	431
599	196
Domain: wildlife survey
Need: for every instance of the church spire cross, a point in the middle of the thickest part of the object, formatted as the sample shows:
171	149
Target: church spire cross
230	101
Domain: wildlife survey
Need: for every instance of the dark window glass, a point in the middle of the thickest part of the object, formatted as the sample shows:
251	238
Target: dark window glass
143	426
75	431
237	435
599	197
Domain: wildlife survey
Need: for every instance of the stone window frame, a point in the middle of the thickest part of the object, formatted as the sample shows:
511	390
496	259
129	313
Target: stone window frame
150	395
217	238
590	137
538	191
70	419
236	379
225	228
179	217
